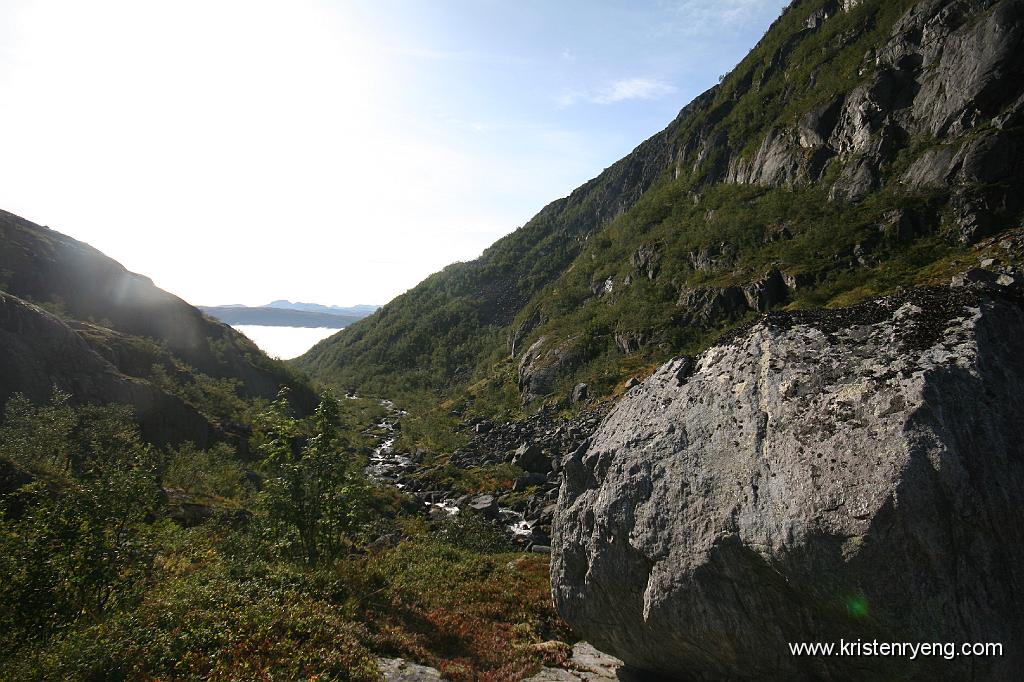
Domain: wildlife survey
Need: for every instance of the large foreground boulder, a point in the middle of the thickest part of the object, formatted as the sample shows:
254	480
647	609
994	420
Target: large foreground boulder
853	474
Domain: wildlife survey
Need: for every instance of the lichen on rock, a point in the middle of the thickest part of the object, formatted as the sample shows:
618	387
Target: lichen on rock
853	473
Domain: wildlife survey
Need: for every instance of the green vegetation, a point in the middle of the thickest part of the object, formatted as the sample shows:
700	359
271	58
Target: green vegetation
302	569
454	342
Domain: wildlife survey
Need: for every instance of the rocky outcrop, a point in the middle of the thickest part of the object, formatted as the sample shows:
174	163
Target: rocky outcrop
767	292
712	306
775	163
647	260
946	69
540	367
400	670
42	353
712	257
851	474
587	664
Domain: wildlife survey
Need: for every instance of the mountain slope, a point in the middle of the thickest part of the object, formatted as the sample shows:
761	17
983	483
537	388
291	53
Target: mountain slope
859	147
74	319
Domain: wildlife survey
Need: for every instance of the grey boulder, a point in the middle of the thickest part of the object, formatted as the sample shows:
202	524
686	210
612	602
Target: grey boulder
853	474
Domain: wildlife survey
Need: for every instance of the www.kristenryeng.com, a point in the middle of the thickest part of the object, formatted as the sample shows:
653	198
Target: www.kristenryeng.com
911	650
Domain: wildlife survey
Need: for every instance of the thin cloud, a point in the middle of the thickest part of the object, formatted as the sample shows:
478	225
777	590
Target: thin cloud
619	91
707	17
634	88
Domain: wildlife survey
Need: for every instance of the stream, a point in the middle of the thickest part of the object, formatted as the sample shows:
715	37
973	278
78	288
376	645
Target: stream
387	466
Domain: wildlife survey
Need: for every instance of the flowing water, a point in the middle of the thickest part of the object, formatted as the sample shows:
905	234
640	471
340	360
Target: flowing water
386	466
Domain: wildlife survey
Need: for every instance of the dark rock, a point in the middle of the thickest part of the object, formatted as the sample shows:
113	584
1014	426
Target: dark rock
42	352
974	276
971	216
857	179
539	367
713	305
975	72
797	281
776	162
529	479
899	225
602	286
712	257
934	168
44	265
530	457
646	260
816	126
631	342
767	292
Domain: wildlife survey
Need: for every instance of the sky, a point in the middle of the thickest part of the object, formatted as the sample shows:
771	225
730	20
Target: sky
241	151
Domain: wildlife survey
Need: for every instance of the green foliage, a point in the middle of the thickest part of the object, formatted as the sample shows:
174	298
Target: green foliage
440	474
475	533
213	472
307	583
38	438
316	496
74	546
220	400
209	618
449	340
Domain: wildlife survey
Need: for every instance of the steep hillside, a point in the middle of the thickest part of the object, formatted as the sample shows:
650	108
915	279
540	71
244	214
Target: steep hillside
861	146
76	320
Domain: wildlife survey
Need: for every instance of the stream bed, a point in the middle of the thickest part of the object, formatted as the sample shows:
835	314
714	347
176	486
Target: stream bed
387	466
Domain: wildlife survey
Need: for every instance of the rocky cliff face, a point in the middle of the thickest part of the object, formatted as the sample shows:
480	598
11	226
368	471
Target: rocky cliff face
947	76
854	473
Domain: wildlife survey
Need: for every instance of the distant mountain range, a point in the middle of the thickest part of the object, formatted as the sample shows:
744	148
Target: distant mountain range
283	313
357	310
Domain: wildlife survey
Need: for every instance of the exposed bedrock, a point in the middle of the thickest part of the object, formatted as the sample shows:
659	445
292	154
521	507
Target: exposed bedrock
821	475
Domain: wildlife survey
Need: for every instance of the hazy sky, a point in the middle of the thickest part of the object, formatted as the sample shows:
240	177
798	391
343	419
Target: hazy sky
238	151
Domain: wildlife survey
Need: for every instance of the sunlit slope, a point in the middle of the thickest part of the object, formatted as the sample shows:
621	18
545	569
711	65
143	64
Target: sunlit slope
859	147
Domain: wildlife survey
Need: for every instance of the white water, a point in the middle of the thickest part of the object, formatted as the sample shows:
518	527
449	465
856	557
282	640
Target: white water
386	465
284	342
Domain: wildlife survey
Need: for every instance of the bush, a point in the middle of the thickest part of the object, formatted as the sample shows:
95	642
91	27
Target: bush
73	546
475	533
205	472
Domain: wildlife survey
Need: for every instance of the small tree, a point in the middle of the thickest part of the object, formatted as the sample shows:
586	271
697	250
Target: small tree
316	495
